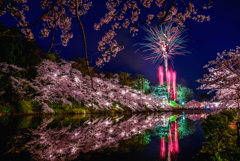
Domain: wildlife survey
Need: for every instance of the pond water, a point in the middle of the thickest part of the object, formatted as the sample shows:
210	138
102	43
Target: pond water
137	137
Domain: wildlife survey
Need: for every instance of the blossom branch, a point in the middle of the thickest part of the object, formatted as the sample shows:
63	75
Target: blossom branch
171	5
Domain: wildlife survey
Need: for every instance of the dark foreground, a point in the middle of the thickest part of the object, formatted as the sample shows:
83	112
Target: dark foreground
152	137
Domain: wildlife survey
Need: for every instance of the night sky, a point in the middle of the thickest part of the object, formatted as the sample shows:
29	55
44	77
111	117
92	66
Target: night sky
204	41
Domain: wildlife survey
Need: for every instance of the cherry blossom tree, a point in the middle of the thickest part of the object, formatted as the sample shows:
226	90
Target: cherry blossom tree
58	14
56	82
60	82
18	85
224	78
128	15
193	104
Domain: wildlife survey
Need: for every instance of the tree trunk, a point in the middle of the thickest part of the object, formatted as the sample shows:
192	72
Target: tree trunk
238	110
85	44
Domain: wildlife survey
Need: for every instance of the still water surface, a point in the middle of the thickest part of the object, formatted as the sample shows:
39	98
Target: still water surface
151	137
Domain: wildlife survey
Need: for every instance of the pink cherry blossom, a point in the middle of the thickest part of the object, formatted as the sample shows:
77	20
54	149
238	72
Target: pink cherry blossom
224	78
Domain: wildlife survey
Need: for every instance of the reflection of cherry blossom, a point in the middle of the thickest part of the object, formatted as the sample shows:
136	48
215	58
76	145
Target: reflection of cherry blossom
195	117
67	142
59	144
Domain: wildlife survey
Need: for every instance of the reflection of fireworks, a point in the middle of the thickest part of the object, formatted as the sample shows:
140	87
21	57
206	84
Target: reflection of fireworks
176	145
163	43
170	142
163	148
173	146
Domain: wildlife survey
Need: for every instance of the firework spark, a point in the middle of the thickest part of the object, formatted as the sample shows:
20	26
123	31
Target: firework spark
164	42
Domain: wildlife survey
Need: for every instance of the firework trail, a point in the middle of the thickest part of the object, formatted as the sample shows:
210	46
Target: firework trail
174	76
160	75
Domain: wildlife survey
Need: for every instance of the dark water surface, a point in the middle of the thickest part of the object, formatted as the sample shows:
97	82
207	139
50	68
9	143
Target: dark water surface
149	137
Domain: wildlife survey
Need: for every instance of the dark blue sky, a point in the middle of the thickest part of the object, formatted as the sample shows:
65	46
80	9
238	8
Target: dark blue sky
205	40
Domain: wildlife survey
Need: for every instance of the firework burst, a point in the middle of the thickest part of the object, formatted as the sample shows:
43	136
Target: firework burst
164	42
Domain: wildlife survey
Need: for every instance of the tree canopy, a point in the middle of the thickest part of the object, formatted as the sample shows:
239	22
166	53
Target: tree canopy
184	94
224	78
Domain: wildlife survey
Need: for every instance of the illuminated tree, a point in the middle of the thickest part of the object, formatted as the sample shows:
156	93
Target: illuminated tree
193	104
141	84
184	94
224	78
57	82
160	91
58	15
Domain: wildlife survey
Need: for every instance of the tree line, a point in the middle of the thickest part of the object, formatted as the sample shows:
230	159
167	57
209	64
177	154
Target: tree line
16	50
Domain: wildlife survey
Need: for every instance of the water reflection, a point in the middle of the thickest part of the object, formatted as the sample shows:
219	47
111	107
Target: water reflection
51	142
173	147
92	135
181	127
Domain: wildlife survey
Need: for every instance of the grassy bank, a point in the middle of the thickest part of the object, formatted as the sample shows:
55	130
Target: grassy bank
34	108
